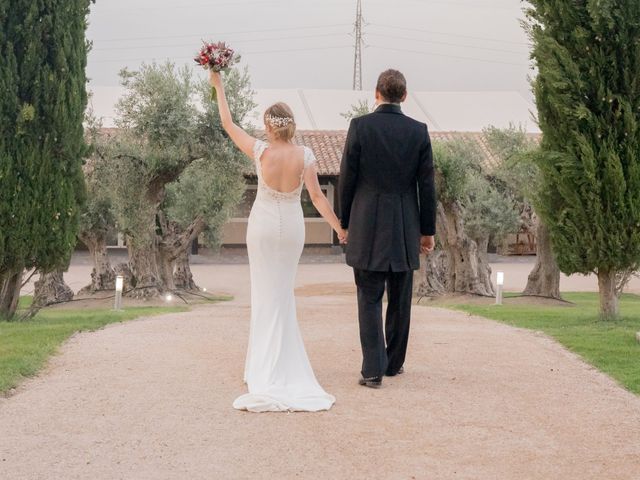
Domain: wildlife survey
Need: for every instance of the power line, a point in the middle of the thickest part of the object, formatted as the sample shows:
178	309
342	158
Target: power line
336	35
123	39
308	27
294	37
358	53
289	50
445	43
248	52
381	47
201	5
458	4
181	7
473	37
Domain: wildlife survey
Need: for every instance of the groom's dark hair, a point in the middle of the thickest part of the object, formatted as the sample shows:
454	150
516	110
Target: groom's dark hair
392	86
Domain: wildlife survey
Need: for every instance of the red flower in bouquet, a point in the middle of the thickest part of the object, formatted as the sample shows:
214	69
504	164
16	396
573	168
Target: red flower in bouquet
217	57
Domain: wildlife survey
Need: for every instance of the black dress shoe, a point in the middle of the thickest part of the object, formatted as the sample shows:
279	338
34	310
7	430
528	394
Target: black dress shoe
399	372
371	382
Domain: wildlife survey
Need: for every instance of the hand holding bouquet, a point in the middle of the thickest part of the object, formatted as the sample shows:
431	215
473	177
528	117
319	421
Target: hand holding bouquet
216	57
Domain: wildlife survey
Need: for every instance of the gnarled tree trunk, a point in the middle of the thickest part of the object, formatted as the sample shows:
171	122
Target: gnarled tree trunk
173	244
465	269
484	267
50	289
430	280
146	281
544	279
123	270
102	276
10	286
607	286
461	266
183	278
167	265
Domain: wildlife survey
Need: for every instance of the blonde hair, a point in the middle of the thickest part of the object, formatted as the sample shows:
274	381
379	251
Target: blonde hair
280	121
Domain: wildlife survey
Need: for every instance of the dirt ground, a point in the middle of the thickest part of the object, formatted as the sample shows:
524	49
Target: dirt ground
325	268
151	399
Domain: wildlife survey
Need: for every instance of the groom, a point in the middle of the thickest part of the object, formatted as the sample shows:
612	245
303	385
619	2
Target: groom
388	204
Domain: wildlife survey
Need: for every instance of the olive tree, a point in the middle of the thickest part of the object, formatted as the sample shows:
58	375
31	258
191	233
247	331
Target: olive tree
520	175
470	212
168	137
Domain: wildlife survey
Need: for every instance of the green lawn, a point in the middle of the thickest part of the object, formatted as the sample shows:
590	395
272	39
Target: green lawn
610	346
26	346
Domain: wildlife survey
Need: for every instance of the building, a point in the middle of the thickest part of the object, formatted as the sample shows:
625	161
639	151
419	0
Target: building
322	127
327	146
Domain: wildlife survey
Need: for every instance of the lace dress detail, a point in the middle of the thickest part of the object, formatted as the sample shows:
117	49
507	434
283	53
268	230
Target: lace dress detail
264	189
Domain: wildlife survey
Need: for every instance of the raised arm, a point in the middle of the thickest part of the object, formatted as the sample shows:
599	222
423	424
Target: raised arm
242	139
349	173
427	192
321	202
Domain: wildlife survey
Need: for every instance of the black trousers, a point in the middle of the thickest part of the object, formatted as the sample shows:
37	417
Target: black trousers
380	357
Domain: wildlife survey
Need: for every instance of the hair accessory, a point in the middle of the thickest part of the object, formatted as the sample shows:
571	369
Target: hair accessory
278	122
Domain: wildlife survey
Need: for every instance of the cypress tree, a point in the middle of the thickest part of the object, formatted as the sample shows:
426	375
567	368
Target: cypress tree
43	55
588	97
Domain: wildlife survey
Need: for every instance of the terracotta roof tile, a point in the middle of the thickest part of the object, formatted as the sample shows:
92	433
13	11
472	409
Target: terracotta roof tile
327	145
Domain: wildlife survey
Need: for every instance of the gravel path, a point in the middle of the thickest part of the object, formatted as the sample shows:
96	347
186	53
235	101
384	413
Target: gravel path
151	399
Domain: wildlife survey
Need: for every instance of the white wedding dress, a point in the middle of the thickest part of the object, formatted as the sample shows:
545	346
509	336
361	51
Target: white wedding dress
277	370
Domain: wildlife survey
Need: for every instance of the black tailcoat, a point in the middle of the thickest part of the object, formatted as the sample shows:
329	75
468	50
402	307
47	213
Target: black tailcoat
387	191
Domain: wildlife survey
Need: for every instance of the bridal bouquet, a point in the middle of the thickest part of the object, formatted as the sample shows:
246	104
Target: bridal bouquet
217	57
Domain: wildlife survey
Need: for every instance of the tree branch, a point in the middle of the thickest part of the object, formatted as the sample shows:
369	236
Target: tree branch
173	243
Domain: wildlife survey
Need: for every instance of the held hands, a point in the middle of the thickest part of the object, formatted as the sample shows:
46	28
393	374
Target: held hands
427	244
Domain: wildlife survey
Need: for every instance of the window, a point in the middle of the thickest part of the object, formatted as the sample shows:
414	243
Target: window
307	206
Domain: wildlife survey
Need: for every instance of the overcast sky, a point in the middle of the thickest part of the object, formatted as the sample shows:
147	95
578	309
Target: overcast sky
449	45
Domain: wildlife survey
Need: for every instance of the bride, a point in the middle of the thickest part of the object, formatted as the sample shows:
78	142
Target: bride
277	369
